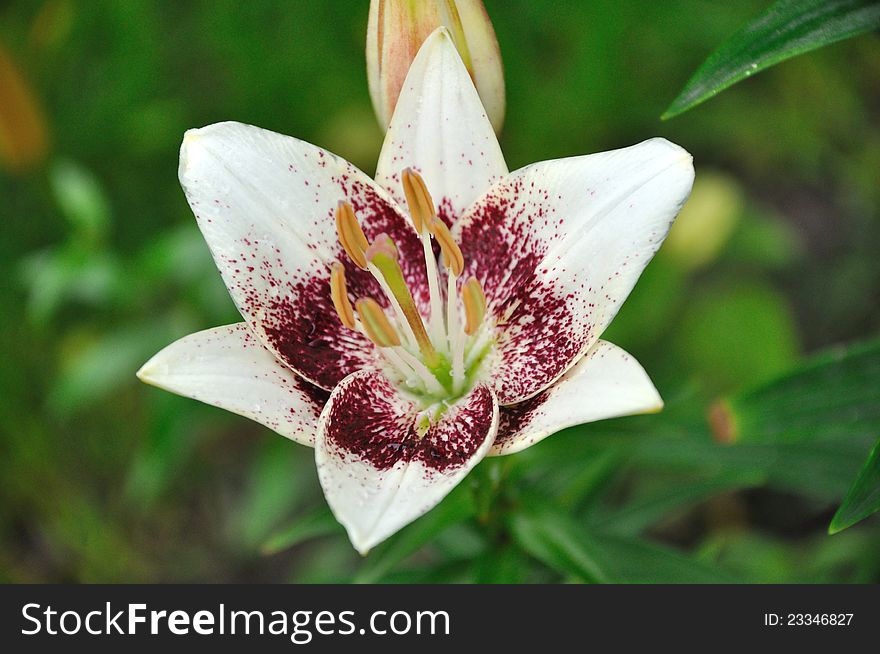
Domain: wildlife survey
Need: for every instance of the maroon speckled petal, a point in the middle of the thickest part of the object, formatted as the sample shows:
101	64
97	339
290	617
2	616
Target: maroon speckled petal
559	245
377	473
229	368
265	205
606	383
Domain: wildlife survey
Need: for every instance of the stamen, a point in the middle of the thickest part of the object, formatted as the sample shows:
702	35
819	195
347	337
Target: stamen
352	237
455	336
375	323
387	264
474	305
421	205
339	295
479	347
423	213
424	375
435	362
452	256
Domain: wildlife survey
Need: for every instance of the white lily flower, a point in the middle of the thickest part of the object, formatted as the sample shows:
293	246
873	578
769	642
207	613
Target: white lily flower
479	295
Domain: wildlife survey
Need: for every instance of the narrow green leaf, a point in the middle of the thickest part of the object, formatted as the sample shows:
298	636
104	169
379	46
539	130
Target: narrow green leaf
81	198
833	397
630	561
821	470
505	565
277	482
636	516
313	525
586	481
558	543
786	29
567	547
863	497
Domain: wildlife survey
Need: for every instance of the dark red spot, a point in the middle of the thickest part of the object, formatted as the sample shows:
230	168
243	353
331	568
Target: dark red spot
370	421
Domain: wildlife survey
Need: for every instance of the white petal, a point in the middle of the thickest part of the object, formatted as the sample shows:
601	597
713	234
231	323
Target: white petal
378	475
265	204
440	128
606	383
559	245
227	367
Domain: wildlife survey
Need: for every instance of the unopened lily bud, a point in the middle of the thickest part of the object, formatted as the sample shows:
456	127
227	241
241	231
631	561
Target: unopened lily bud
396	31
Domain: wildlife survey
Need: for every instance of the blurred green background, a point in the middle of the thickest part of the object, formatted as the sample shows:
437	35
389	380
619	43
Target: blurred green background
776	257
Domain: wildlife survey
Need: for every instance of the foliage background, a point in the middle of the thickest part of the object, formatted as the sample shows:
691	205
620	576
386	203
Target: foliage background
777	256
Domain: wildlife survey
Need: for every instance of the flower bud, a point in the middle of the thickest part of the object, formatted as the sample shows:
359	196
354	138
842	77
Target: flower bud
396	31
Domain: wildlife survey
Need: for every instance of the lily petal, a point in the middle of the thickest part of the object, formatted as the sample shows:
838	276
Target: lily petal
228	367
440	129
377	473
559	245
606	383
265	204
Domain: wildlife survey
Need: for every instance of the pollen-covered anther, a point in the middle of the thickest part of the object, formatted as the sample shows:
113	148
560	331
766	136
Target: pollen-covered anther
376	324
351	236
339	295
421	205
474	301
453	259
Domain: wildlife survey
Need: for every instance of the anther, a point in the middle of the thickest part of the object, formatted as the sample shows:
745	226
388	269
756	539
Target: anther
452	256
339	295
421	205
351	236
474	305
376	324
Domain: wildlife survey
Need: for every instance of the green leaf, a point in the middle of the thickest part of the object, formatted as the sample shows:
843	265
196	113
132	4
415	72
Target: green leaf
636	516
863	497
313	525
456	507
820	470
505	565
565	546
835	396
81	198
558	543
630	561
68	275
277	481
97	366
787	29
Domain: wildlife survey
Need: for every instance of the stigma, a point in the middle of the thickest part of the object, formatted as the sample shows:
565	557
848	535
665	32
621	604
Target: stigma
437	358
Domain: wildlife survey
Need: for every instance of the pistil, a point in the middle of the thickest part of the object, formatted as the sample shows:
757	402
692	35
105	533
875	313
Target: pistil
384	258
